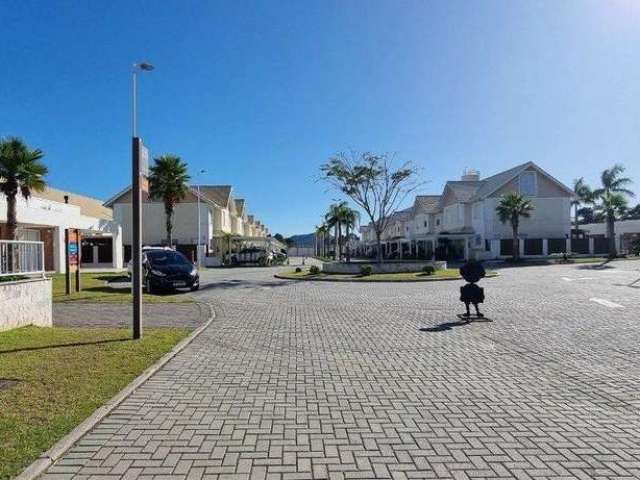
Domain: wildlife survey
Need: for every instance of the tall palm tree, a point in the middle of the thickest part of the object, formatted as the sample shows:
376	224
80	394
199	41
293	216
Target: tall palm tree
350	219
333	218
510	209
611	196
169	182
584	196
321	242
21	171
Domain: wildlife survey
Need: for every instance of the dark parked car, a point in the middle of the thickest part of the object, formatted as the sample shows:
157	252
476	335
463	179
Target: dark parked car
168	270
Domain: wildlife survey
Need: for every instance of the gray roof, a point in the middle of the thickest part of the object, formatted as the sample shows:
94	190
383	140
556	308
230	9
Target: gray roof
218	194
491	184
427	204
464	190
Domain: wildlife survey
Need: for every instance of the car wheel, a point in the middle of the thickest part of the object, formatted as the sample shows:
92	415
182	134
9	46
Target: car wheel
195	287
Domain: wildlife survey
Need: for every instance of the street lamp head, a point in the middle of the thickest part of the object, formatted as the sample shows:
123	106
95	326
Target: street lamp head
147	67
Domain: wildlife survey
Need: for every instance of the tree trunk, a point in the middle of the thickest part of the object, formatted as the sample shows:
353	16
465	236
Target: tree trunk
12	218
335	242
516	245
347	251
168	210
575	221
611	234
379	247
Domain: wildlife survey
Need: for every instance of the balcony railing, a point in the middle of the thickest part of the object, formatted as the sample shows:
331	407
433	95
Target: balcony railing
19	257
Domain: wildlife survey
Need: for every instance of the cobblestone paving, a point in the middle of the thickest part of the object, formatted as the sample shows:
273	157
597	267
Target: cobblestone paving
345	381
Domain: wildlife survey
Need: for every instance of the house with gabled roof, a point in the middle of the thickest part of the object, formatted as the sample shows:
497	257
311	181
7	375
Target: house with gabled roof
462	223
220	214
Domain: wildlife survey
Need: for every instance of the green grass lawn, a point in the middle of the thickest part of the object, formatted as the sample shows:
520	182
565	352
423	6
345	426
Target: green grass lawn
443	274
95	289
62	375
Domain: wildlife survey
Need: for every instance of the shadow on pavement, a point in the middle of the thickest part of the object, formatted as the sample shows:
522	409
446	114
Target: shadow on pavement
228	284
443	327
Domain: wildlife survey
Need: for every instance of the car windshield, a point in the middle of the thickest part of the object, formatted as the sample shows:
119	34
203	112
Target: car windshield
166	257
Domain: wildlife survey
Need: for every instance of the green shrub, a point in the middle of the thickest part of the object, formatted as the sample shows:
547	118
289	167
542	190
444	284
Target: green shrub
635	247
314	270
366	270
298	270
429	269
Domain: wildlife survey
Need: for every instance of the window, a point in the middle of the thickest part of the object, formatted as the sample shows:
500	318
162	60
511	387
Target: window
528	183
425	224
438	222
487	246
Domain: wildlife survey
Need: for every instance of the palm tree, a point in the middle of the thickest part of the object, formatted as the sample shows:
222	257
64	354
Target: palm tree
334	218
169	182
510	209
20	171
612	197
321	233
350	219
584	196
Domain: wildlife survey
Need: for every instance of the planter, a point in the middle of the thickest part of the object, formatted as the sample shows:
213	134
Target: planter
25	302
386	267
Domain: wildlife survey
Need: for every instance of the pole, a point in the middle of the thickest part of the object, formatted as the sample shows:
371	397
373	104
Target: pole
134	119
198	242
136	277
67	278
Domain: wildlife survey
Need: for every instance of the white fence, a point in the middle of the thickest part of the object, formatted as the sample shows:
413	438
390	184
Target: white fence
18	257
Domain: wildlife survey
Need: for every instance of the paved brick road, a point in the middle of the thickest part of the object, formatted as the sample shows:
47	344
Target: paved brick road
318	380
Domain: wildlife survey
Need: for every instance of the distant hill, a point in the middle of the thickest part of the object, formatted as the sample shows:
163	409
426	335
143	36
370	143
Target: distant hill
303	240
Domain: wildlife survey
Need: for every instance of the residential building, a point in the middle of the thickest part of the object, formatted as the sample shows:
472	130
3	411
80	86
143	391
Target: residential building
221	215
627	232
462	223
46	215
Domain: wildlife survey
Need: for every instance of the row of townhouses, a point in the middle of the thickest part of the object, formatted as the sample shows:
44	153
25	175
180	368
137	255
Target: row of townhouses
106	226
462	223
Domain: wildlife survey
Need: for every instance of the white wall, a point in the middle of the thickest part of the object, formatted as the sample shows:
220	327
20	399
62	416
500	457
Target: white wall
185	222
550	219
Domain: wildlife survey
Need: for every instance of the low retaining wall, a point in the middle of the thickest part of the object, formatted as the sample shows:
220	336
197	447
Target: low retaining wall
385	267
25	302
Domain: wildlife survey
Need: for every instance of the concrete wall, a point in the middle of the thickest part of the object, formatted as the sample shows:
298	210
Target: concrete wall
386	267
25	302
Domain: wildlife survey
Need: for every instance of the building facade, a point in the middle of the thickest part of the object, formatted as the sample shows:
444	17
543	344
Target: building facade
220	218
462	223
46	215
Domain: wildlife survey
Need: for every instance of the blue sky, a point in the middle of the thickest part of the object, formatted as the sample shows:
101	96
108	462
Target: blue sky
261	93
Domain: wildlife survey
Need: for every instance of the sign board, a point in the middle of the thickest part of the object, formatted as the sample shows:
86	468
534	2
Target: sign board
73	249
72	258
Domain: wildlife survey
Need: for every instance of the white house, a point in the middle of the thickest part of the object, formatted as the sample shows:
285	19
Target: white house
462	223
46	216
220	215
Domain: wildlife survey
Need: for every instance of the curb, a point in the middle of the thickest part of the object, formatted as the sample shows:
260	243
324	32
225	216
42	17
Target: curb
49	457
353	280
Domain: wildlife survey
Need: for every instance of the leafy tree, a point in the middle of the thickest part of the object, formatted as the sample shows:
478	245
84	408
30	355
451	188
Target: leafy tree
169	182
584	196
511	208
371	181
279	237
21	171
612	202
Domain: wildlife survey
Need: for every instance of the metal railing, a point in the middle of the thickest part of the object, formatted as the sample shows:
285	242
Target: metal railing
21	257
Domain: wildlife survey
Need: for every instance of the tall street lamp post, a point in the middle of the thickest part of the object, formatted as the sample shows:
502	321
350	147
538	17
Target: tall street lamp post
137	150
200	173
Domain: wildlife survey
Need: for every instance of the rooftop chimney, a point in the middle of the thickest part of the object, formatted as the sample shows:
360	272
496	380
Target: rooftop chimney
471	175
